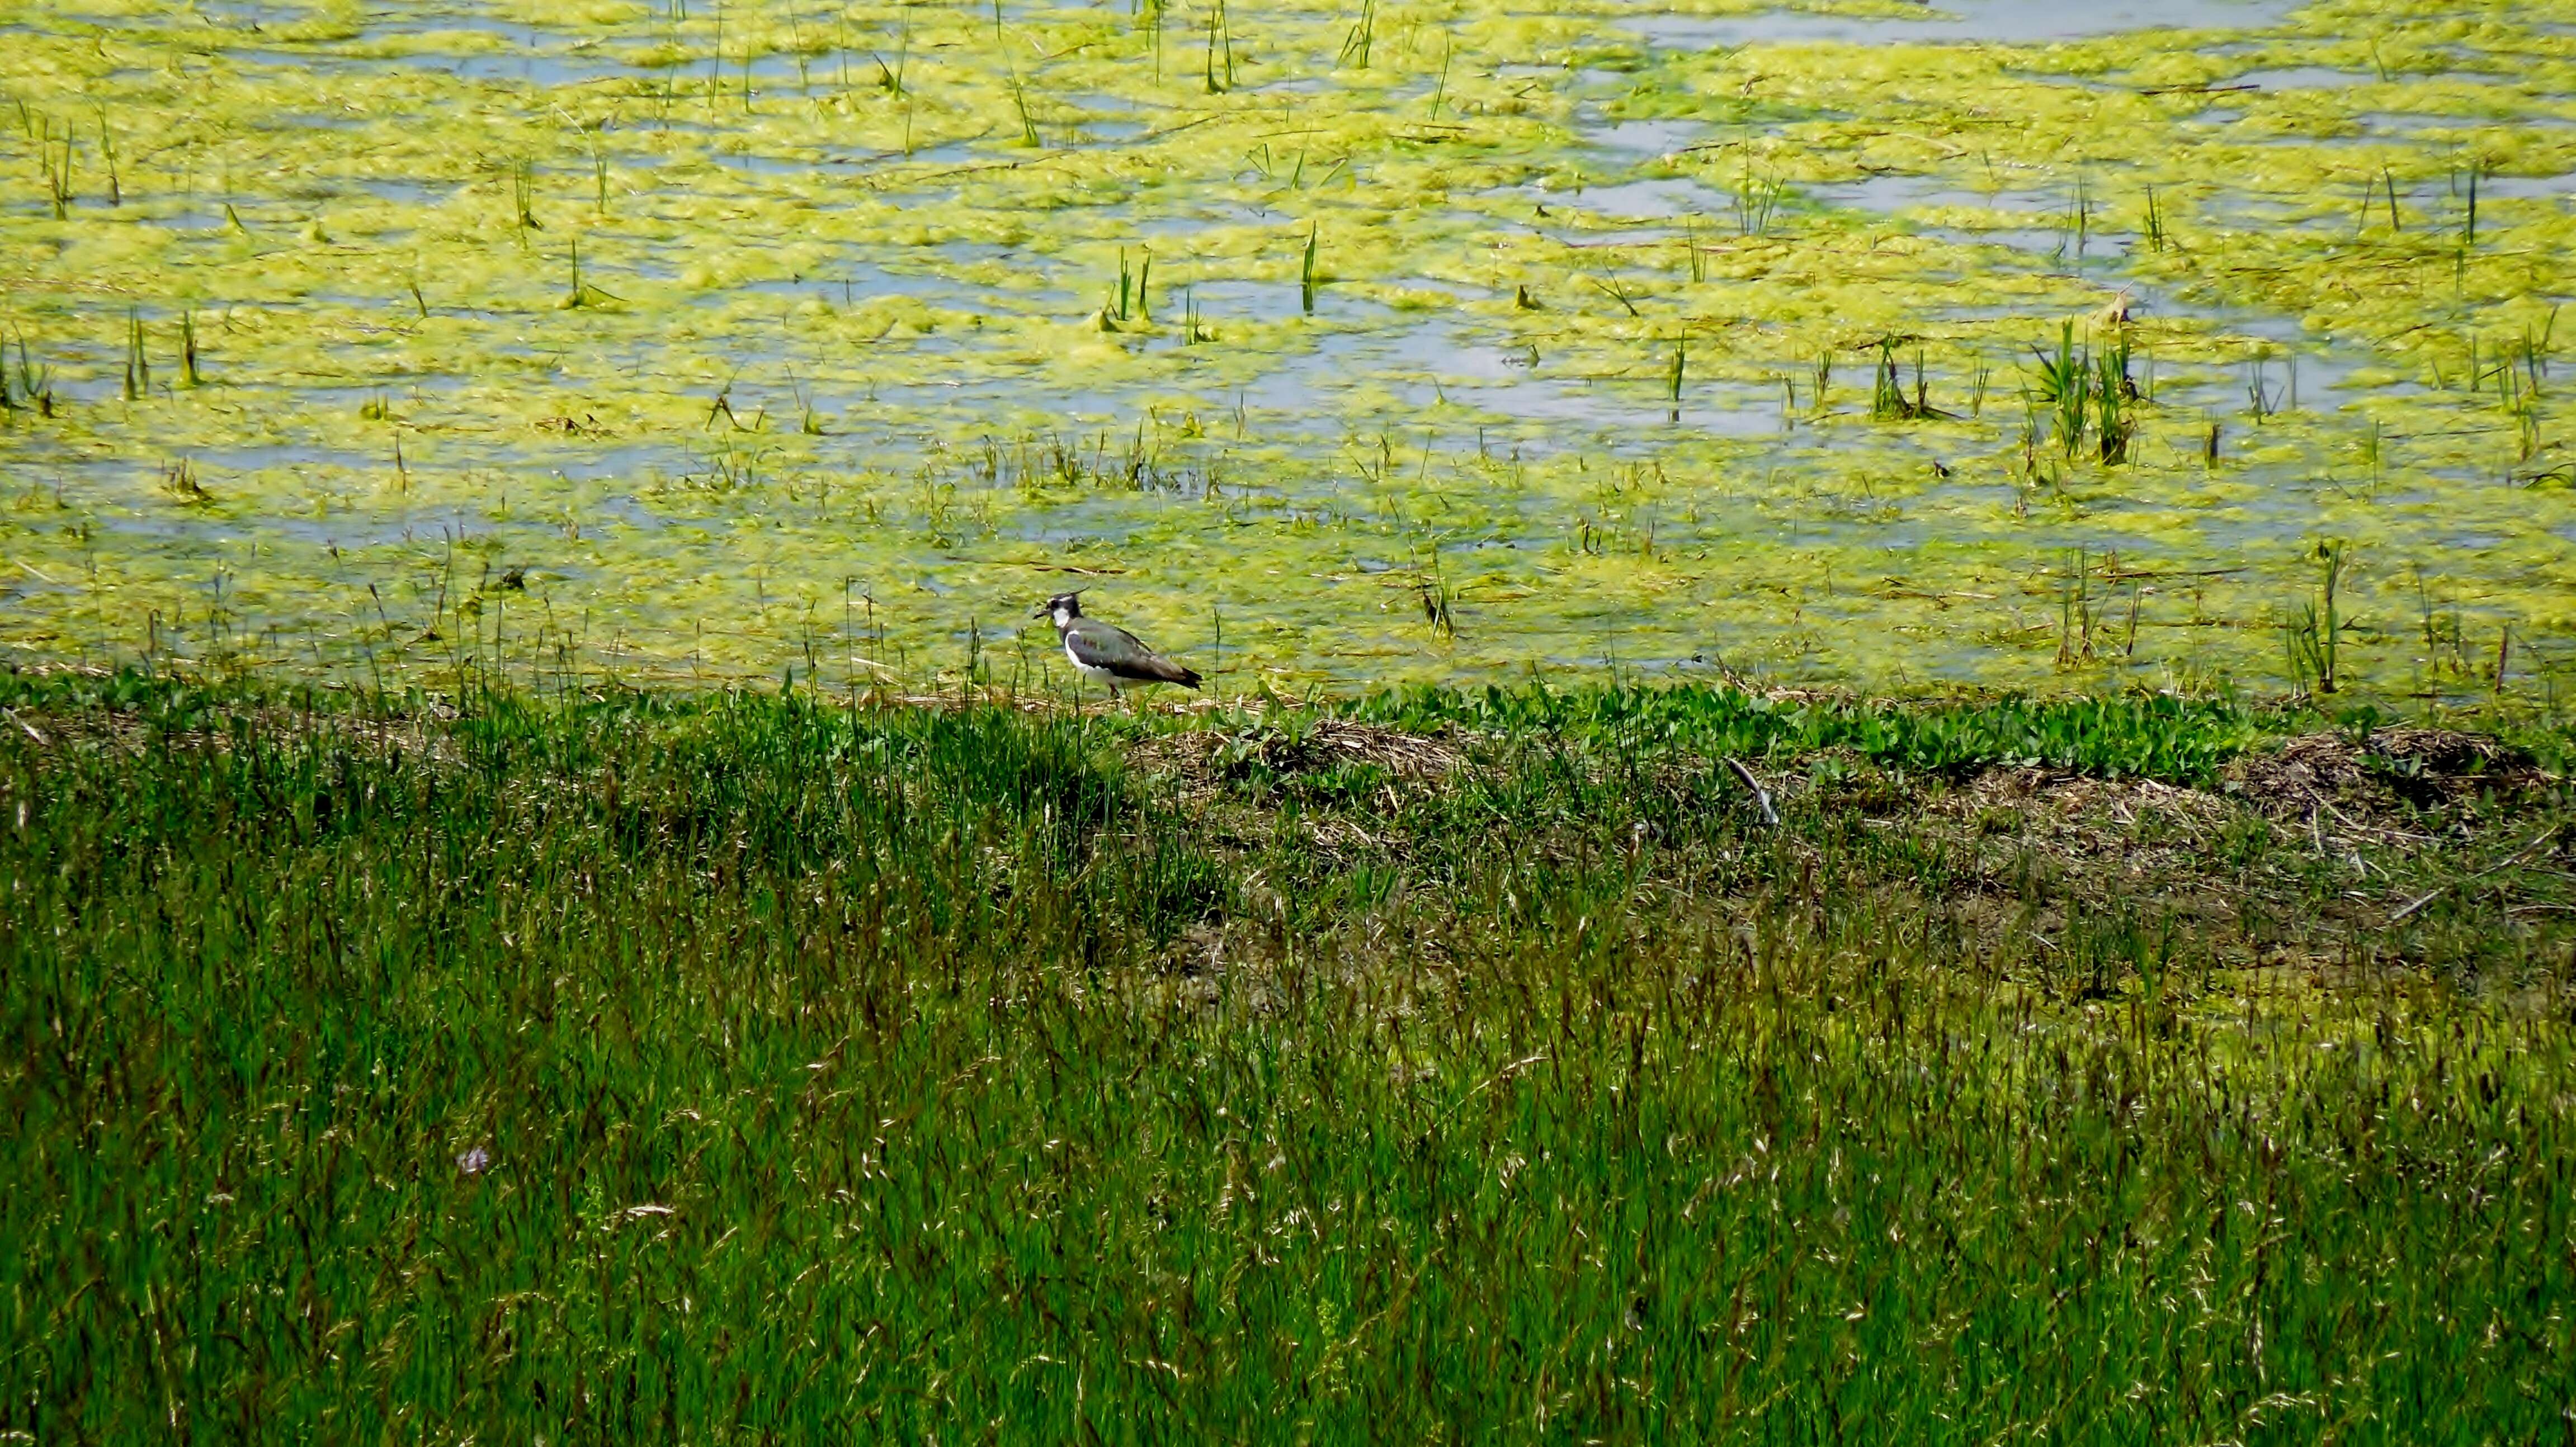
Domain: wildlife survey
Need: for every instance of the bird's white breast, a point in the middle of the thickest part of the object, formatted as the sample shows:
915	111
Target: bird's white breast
1095	674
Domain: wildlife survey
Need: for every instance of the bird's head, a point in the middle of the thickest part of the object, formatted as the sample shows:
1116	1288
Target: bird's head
1063	608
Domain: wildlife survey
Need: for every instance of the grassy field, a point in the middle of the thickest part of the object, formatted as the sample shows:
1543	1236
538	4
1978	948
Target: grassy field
1441	1066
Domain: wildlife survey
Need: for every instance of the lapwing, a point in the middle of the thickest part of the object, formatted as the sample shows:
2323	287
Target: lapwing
1107	655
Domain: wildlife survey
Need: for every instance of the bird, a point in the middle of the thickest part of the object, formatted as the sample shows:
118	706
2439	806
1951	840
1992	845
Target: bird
1108	655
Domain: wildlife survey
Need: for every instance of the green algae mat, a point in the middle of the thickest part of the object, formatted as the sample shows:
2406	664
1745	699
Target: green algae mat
2002	343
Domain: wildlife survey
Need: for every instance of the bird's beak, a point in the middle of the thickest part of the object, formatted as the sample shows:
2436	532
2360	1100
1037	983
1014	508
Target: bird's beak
1042	612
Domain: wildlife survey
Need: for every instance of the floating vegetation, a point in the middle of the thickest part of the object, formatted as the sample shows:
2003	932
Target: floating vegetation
1563	248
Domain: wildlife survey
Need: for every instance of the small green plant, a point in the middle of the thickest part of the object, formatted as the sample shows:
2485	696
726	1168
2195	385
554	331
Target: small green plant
2075	611
1124	301
1611	287
2445	633
1437	597
1306	268
1362	34
1029	136
107	154
1193	331
2521	401
1149	18
2261	399
138	366
2064	385
2113	392
1757	201
2313	631
2078	226
1889	400
523	197
30	384
808	421
1220	51
890	78
1887	396
54	153
180	478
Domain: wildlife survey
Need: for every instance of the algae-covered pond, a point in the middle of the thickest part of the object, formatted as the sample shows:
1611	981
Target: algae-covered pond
2010	343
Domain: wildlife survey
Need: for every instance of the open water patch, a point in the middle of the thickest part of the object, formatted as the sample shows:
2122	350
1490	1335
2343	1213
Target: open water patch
2004	22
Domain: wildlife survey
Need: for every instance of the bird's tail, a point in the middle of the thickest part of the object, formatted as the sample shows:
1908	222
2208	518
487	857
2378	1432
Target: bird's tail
1167	671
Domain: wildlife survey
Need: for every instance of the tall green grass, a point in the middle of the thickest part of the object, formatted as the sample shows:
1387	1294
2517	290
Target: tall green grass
749	1069
2158	736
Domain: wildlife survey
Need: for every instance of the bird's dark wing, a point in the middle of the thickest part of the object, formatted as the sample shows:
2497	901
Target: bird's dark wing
1095	644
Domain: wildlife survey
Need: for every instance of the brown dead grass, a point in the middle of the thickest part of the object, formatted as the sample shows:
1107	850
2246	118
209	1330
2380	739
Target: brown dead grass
2392	775
1204	761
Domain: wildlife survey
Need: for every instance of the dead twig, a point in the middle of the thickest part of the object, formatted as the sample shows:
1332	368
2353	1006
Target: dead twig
1761	796
2525	853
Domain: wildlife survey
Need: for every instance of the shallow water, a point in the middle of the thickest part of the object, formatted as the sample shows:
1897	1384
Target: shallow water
848	368
2004	22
